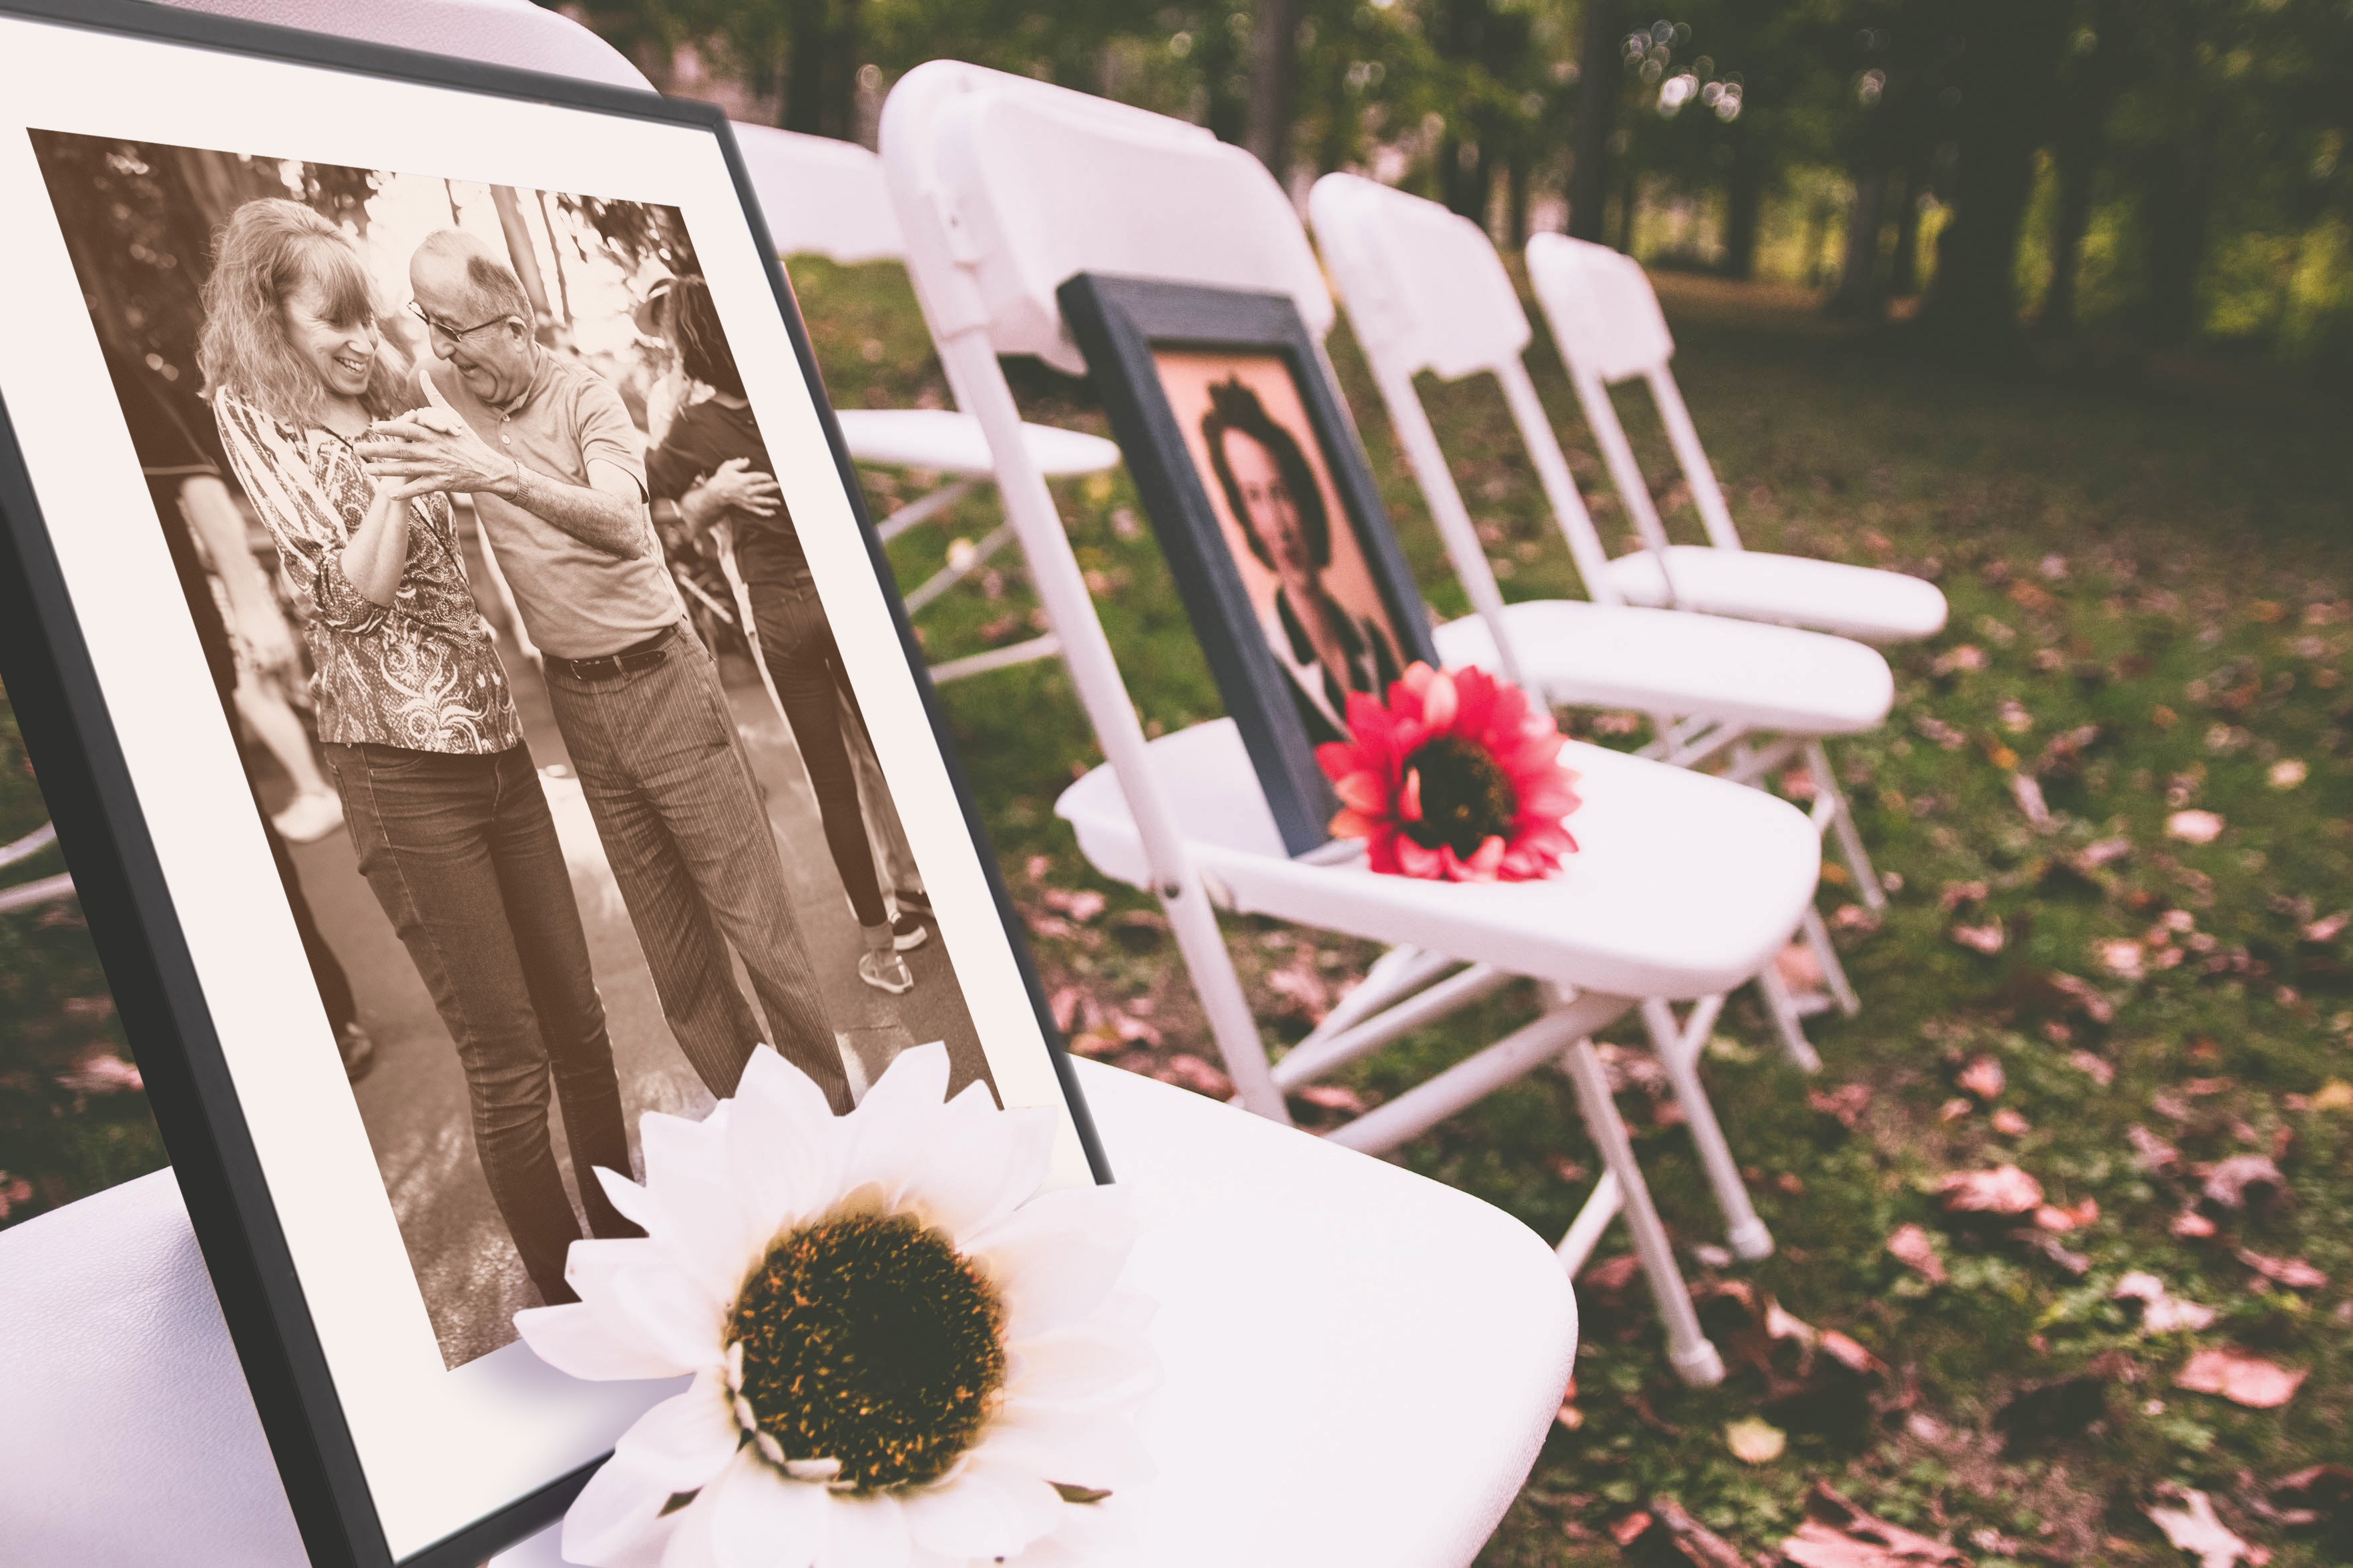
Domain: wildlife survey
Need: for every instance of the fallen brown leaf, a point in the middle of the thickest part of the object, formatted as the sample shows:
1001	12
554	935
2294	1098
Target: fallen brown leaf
2006	1189
2240	1378
1988	939
2161	1313
2150	1153
1835	1534
1983	1078
2193	1528
1699	1545
1845	1103
1913	1246
2241	1180
2292	1272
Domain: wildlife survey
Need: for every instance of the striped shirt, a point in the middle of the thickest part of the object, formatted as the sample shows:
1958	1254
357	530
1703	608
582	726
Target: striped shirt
421	672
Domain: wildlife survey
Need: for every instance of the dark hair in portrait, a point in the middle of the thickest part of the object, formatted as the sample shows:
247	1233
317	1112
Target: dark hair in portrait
702	350
1235	409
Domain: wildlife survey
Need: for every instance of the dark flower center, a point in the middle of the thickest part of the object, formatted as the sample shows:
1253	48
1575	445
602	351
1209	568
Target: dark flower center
1466	796
867	1339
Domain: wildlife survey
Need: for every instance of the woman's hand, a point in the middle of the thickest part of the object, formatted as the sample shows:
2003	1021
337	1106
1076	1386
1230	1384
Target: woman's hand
733	486
438	448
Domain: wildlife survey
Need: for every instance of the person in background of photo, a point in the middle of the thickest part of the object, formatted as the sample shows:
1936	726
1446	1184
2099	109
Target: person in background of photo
546	449
1272	494
184	483
440	797
715	467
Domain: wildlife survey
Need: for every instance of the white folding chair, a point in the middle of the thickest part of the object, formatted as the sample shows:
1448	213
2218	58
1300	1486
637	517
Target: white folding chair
1687	884
1426	292
1606	321
825	197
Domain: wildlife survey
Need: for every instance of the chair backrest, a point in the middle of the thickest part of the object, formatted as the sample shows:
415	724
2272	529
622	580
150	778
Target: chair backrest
1021	186
502	32
1424	287
1426	291
821	196
1006	188
1604	315
1605	319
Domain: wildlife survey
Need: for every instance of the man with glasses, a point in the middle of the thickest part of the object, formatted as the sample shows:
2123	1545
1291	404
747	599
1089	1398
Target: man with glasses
556	470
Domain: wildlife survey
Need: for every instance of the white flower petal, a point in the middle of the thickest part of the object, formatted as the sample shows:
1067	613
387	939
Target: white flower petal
637	1204
1082	1368
686	1440
665	1312
1056	1258
983	1511
982	1167
866	1533
575	1338
893	1128
674	1146
783	1148
690	1543
614	1515
760	1520
1082	1449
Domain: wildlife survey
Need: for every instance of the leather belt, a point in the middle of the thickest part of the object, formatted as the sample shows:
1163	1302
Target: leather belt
638	655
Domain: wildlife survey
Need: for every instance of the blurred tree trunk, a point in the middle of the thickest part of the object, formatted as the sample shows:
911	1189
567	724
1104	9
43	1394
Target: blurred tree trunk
1743	203
805	62
1516	191
2003	75
2176	202
1274	66
1597	106
2086	91
525	257
1630	207
1904	264
1857	297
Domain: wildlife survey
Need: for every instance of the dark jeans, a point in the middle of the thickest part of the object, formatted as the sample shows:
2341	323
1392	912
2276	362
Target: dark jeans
463	856
673	792
797	643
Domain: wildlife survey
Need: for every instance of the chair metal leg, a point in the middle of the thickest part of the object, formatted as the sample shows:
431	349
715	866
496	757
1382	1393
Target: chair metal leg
1787	1021
1695	1361
1678	1051
1850	837
1818	937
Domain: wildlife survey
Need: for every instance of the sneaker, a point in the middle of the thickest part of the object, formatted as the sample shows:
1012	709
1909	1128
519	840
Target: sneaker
886	971
358	1051
311	818
912	899
908	933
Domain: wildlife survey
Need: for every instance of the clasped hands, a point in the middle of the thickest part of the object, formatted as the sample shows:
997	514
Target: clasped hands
428	449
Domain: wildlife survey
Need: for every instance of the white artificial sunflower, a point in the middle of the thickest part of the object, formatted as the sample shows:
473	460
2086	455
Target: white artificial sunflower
904	1355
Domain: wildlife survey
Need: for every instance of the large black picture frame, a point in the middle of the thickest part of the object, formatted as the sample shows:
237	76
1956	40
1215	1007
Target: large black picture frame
1121	325
63	712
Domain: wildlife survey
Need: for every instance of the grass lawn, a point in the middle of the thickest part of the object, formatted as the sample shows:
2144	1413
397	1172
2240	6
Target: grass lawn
2151	615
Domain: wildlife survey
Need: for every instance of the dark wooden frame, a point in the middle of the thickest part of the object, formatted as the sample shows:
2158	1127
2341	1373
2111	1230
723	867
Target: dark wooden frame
1121	323
62	714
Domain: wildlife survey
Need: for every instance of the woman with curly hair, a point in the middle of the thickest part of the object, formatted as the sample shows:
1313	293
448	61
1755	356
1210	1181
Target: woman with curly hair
1272	494
415	718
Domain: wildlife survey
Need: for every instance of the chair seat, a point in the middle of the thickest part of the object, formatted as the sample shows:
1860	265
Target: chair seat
1860	602
1443	1328
952	442
1684	885
1668	661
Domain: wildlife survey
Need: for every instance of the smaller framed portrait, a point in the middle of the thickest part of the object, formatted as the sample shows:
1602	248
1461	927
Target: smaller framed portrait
1258	489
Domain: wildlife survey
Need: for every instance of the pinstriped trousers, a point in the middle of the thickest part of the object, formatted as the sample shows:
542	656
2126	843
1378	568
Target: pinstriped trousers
670	788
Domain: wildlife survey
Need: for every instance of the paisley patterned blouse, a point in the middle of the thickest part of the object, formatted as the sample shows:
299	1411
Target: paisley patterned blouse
421	672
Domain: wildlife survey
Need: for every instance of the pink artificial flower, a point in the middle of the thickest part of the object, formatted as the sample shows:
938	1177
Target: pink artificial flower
1457	778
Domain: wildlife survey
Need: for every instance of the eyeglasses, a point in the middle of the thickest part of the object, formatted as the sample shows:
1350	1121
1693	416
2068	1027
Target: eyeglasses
455	334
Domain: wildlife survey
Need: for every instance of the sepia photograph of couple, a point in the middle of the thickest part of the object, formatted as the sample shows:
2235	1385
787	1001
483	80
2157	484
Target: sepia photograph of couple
571	797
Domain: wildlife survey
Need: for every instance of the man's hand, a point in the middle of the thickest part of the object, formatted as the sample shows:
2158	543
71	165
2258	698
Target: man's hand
429	450
733	486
